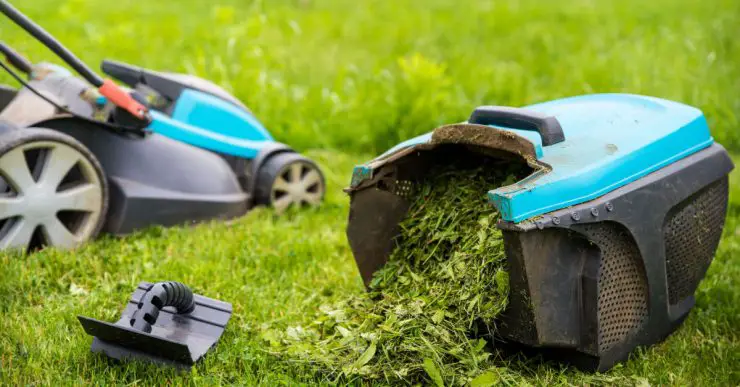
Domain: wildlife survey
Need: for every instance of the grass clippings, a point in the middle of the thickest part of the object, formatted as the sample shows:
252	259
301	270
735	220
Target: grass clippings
418	321
354	81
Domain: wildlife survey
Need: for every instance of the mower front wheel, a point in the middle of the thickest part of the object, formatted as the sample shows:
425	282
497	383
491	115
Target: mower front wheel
289	179
53	191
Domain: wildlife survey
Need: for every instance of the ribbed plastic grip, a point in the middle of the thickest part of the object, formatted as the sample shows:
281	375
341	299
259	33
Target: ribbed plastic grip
160	295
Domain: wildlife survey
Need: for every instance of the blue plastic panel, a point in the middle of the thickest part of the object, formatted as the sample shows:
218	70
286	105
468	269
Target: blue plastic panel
610	141
206	121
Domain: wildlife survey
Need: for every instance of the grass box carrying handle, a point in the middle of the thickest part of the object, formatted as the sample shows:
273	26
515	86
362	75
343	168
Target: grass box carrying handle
547	126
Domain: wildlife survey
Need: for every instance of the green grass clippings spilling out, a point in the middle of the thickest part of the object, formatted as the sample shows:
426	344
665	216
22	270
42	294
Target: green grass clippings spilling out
417	322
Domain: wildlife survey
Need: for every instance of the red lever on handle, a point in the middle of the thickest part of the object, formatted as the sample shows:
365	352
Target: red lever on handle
122	99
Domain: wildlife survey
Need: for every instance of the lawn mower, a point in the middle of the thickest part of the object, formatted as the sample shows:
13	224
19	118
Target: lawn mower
81	155
608	237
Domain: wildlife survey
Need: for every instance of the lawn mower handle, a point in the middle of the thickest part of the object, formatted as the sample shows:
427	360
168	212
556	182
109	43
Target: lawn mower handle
15	59
106	87
517	118
47	40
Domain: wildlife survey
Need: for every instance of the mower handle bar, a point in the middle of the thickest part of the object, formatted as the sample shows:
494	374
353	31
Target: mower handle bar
47	40
15	59
107	88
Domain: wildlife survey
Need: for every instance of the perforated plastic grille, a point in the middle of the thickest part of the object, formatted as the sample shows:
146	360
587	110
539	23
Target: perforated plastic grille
623	291
691	237
404	188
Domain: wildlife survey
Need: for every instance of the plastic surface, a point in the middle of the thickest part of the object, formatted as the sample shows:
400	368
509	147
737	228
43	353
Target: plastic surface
169	85
610	141
122	99
30	208
517	118
289	179
594	278
206	121
156	180
160	295
200	113
588	283
174	338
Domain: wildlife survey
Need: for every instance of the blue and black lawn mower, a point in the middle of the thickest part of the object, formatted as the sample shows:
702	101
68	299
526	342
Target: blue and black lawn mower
81	155
608	237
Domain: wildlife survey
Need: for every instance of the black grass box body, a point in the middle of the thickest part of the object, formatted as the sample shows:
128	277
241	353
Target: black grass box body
607	238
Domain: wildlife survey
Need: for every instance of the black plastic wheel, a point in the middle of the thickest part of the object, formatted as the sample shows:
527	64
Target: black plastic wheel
54	191
289	179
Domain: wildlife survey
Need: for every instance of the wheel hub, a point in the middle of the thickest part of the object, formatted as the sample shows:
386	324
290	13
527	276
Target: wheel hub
298	183
37	205
51	188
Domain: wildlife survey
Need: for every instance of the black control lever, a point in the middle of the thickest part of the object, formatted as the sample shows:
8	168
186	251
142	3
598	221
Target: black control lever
126	73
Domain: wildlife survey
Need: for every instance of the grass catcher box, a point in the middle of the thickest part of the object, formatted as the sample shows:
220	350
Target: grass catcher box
606	239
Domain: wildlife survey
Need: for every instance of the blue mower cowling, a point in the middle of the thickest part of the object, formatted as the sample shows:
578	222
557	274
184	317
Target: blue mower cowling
200	113
81	155
606	239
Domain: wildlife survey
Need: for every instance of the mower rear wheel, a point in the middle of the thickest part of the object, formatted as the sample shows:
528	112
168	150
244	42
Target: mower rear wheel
289	179
53	190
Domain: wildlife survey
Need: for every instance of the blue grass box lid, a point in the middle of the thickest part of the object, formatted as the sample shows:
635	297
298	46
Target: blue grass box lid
580	147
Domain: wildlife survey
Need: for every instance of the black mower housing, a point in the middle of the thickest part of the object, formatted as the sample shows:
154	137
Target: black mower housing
152	179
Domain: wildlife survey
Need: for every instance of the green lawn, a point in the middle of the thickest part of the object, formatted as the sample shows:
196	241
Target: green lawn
344	80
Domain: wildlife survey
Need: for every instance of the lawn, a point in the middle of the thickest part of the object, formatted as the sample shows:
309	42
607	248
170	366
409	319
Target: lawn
343	82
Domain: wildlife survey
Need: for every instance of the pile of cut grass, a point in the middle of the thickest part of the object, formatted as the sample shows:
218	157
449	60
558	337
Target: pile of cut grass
419	319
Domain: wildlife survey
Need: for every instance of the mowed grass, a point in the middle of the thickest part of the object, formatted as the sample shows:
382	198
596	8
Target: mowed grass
344	80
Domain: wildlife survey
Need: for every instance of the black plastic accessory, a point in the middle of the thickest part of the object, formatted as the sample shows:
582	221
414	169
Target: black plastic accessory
517	118
164	323
167	85
162	294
